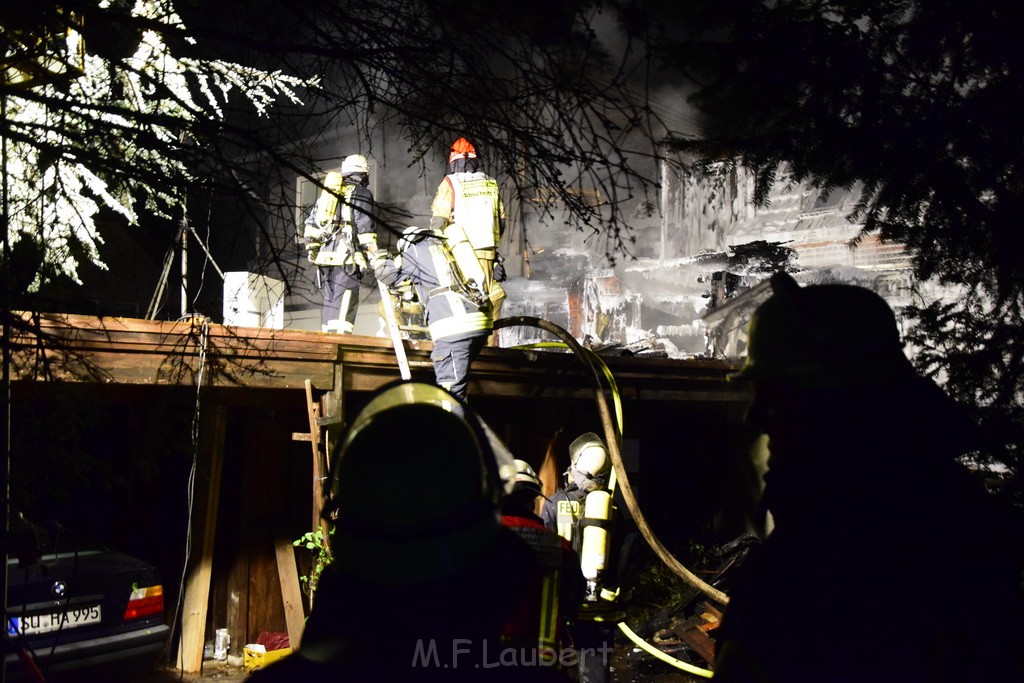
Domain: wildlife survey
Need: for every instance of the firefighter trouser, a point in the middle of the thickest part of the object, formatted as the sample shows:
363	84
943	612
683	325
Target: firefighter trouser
594	641
452	358
334	282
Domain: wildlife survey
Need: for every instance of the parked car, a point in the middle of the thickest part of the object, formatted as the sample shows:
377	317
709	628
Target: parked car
81	614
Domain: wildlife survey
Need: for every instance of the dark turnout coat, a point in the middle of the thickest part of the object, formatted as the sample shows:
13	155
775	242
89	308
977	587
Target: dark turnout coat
888	561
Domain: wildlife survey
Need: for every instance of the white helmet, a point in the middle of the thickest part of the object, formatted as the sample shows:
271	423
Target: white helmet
412	235
355	163
521	477
588	462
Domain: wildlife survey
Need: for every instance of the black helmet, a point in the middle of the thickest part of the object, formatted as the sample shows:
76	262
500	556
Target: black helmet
823	336
419	510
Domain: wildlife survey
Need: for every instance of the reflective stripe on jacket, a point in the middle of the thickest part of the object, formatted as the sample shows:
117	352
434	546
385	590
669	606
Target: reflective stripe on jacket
354	222
540	621
448	314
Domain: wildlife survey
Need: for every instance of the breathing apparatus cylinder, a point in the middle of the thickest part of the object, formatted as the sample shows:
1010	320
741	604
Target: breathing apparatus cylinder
596	541
327	204
465	257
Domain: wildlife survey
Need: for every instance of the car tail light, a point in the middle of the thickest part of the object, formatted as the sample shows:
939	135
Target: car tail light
144	602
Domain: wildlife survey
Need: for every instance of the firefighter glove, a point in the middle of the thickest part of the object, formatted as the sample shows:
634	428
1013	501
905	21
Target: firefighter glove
312	249
499	268
378	262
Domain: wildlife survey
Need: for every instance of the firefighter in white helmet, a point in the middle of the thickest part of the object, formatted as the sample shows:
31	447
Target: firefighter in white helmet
340	238
468	210
582	513
589	466
540	627
456	309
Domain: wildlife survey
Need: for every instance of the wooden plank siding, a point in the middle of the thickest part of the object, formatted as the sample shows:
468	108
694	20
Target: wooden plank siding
129	351
683	419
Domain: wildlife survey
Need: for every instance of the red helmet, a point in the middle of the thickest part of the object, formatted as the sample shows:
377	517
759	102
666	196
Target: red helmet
462	149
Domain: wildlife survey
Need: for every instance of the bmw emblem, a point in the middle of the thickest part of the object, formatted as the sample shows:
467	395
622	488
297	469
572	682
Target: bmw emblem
59	589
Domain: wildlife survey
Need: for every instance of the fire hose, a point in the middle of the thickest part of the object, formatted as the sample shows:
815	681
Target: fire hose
612	439
613	433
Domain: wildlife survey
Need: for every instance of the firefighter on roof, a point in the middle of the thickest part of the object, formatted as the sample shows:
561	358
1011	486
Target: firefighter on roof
467	209
456	308
340	235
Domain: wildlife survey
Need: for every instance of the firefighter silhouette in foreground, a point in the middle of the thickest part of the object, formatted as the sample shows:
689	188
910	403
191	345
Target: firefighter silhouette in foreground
424	576
888	561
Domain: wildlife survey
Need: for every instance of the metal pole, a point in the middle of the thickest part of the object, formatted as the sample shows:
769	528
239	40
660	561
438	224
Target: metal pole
209	256
158	295
184	269
396	333
5	470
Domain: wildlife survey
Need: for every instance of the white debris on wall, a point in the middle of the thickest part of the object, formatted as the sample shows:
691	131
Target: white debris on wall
666	302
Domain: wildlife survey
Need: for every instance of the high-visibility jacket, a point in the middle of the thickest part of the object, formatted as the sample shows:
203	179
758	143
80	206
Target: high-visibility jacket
541	622
448	313
471	202
344	240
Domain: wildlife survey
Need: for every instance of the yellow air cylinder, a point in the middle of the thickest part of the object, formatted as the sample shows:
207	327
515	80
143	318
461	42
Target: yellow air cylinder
465	256
327	204
596	540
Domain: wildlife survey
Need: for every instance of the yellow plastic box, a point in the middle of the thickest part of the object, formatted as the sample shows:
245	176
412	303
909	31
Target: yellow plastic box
253	659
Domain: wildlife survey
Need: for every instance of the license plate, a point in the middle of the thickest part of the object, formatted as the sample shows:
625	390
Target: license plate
51	621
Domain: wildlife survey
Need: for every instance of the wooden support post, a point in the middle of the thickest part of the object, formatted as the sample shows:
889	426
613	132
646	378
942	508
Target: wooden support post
319	464
197	586
291	593
333	410
549	471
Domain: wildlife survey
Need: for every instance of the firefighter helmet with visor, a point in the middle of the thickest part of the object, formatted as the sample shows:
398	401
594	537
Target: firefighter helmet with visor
521	477
588	462
355	163
462	149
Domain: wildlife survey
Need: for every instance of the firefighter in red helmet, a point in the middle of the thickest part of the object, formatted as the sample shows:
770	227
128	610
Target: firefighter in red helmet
467	207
